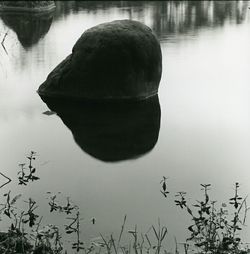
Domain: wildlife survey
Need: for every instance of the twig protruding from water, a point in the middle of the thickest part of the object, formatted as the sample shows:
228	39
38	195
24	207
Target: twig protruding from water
9	180
2	42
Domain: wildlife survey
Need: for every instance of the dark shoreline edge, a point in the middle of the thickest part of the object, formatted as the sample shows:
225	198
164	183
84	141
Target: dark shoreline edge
15	9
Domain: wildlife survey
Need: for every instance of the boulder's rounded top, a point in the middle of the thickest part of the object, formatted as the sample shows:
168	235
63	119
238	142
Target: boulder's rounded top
114	60
114	30
120	24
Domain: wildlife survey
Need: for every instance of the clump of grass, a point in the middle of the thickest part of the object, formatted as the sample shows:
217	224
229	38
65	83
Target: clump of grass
150	242
214	230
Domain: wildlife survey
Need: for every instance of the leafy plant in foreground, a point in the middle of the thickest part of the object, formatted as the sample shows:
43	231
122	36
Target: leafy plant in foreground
163	183
55	206
26	175
214	230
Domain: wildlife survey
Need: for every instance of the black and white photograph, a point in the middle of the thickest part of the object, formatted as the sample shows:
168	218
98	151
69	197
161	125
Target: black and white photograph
125	127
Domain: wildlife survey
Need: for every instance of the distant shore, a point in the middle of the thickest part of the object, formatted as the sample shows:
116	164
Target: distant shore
38	9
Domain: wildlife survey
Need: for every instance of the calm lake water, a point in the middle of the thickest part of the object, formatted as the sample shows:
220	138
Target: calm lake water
204	97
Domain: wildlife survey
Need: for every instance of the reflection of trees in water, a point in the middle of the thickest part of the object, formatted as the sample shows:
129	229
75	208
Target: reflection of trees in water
183	16
168	16
67	7
28	27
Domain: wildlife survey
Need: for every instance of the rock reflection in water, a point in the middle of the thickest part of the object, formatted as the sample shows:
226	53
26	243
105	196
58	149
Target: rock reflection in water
112	131
29	27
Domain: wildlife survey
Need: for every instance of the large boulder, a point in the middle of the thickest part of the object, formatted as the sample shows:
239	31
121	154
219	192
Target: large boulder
116	60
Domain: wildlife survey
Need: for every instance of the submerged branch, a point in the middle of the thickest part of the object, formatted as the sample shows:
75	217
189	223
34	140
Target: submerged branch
2	42
9	180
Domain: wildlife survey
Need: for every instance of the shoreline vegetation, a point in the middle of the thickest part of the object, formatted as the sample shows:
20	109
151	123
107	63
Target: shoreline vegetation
214	230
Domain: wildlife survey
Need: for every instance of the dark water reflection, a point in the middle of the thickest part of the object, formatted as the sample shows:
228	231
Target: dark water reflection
112	131
30	28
